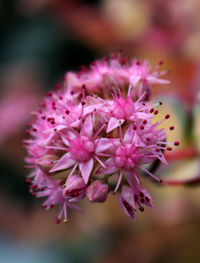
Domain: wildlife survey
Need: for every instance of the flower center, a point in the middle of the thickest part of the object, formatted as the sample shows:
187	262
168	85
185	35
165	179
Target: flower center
123	109
126	156
82	148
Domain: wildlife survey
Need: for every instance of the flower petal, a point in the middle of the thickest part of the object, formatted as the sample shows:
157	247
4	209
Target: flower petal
132	178
63	163
114	123
87	127
103	144
154	80
110	167
89	109
128	196
129	213
64	139
128	136
134	79
137	140
86	168
143	115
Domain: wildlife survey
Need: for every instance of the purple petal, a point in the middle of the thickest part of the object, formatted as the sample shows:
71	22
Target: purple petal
63	163
114	123
86	168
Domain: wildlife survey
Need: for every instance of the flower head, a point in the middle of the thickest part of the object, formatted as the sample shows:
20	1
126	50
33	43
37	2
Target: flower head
98	124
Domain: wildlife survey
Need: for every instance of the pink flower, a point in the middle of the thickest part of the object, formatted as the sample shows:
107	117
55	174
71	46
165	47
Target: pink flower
97	192
54	193
88	130
126	109
116	71
82	149
131	197
127	156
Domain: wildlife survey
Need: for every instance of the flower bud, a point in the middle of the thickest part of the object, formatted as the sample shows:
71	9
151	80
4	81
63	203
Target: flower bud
75	188
46	162
97	191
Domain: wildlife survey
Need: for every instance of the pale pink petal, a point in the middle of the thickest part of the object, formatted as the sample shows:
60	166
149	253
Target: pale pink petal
114	123
75	207
76	123
128	195
132	178
64	139
68	135
103	144
128	136
154	80
137	140
110	167
59	128
128	213
147	194
87	127
143	115
86	168
134	80
64	162
89	109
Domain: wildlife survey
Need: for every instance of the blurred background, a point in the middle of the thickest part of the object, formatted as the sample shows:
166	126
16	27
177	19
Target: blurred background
40	41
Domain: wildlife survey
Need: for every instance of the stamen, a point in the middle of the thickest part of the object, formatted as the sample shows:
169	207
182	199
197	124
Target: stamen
99	161
169	148
120	132
176	143
149	173
119	181
97	133
73	169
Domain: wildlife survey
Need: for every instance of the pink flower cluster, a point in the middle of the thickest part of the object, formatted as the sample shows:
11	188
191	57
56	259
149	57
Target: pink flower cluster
94	130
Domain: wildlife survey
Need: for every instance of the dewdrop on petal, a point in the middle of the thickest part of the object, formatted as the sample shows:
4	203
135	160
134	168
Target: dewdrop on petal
97	124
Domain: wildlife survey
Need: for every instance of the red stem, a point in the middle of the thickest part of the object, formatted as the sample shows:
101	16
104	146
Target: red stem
186	182
181	154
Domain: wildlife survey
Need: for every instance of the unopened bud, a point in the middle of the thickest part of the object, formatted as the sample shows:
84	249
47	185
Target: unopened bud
97	192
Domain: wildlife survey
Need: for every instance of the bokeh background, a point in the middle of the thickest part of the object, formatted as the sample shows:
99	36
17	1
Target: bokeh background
41	40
